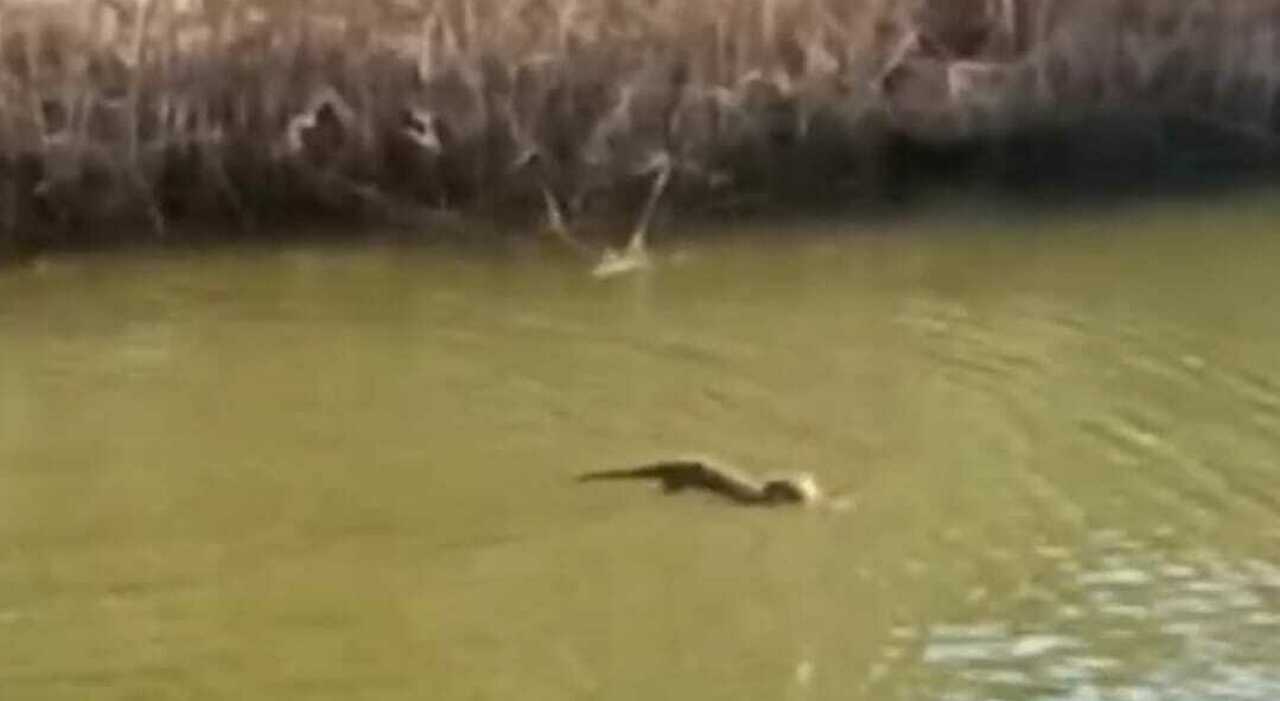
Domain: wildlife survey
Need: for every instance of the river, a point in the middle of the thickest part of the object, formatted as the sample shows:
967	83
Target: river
328	472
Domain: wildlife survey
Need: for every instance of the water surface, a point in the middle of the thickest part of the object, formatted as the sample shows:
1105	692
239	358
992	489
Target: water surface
330	473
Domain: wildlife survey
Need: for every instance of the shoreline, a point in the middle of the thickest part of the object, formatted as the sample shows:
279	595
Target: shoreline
137	120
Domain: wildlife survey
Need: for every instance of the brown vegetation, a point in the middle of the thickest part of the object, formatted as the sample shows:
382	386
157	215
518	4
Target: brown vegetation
131	115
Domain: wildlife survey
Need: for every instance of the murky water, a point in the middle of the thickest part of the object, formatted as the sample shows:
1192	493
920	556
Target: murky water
347	474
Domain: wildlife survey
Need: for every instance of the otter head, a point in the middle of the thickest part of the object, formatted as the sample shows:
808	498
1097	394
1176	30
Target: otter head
802	489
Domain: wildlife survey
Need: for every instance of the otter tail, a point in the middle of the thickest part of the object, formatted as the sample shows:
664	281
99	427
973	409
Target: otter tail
671	470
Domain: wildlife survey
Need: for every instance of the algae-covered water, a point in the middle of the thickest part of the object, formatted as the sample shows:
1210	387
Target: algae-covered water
347	473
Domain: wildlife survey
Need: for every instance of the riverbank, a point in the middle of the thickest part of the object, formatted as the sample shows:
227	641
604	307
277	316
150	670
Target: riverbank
152	118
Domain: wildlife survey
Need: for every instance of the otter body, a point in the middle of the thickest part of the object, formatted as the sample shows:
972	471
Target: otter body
729	482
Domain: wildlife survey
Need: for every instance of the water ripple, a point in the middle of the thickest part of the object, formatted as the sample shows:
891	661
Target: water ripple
1144	623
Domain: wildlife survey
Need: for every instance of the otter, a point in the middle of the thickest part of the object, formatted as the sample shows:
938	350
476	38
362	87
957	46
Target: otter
737	486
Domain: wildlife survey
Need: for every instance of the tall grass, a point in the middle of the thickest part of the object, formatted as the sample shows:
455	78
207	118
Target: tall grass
126	116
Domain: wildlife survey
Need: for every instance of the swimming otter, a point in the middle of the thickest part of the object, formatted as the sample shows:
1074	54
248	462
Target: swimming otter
676	475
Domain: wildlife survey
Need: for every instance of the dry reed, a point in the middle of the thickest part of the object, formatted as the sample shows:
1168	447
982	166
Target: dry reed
119	116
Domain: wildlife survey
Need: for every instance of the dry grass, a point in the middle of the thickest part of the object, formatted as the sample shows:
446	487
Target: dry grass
126	115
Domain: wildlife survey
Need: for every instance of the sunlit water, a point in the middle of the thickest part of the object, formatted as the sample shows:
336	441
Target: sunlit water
326	473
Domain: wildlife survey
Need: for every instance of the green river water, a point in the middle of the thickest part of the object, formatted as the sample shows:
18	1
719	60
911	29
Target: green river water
319	472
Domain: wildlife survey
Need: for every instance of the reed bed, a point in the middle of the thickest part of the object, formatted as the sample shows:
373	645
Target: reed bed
128	118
